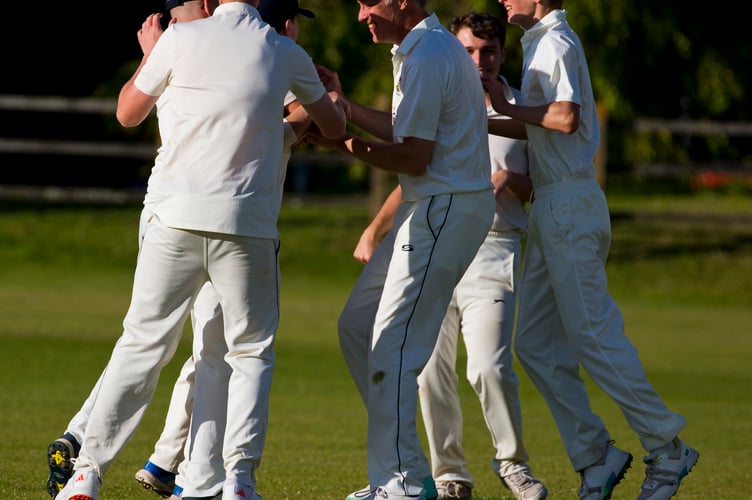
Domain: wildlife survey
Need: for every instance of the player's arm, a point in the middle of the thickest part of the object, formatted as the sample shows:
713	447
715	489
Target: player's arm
411	156
563	116
379	226
375	122
330	116
298	119
133	106
506	127
519	184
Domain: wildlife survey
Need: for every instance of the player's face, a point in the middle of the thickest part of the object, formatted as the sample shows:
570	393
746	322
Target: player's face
384	20
520	12
486	54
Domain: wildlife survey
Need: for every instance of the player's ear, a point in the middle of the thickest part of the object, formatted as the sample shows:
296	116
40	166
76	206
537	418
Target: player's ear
291	28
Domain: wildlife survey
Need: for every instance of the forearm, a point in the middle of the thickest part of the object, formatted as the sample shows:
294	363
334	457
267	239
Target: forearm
520	185
329	116
299	120
560	116
506	127
375	122
384	219
382	222
408	157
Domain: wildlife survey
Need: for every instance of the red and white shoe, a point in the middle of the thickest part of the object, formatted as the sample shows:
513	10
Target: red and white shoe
236	491
83	485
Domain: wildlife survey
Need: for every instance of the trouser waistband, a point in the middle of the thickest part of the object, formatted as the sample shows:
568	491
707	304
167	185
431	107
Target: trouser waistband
558	187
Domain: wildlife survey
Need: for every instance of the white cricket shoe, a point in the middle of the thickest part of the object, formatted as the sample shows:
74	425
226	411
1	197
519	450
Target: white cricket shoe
525	486
599	479
236	491
665	471
361	494
454	490
83	485
428	492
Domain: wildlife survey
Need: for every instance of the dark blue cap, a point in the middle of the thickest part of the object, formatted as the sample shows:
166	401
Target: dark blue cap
277	12
171	4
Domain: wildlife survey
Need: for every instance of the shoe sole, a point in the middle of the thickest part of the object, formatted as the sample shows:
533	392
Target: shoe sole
59	454
446	490
150	482
612	484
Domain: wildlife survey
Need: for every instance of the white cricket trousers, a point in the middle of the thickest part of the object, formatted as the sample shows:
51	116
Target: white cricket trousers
171	268
77	424
391	321
202	474
482	308
207	320
567	319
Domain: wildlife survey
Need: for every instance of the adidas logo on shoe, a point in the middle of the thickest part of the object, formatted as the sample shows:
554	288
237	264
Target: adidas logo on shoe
84	485
235	491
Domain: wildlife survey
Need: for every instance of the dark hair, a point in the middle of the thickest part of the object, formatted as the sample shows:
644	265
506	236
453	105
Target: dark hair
482	25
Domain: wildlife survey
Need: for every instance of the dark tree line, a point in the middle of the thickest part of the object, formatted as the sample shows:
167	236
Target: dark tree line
647	59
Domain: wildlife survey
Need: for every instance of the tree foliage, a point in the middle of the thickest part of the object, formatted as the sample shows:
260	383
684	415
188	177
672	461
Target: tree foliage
646	58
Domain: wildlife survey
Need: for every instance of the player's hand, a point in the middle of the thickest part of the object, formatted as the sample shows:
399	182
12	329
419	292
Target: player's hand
495	89
339	100
499	181
367	244
150	31
330	79
314	136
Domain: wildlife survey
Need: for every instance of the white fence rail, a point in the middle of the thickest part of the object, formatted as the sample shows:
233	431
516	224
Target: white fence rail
72	105
145	151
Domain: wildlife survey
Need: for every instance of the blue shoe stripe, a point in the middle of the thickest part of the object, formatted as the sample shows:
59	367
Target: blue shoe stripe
158	472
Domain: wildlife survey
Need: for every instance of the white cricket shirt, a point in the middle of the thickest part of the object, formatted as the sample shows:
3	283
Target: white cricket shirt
554	68
438	96
220	165
508	154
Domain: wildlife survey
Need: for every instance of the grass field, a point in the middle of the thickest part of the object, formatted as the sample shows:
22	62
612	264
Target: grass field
681	269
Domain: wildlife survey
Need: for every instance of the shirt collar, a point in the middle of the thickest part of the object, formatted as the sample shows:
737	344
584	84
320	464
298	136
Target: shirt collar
236	8
554	17
507	89
414	35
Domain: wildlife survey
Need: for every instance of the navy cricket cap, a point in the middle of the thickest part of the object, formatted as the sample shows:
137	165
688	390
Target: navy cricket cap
277	12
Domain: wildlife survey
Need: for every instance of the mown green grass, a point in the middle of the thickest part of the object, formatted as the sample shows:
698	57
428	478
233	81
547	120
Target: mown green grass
681	269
